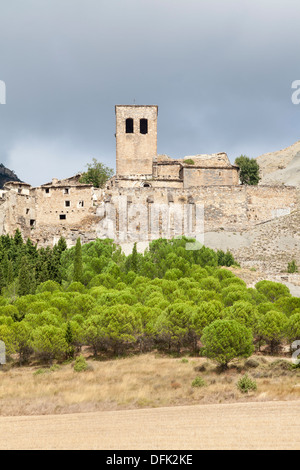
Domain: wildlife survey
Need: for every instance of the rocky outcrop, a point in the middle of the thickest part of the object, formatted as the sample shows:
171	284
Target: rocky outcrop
7	175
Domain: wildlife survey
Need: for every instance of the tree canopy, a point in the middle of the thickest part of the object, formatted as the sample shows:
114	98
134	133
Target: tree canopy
97	174
249	170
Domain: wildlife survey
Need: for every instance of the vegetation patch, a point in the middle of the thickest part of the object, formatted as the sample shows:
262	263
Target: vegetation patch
246	384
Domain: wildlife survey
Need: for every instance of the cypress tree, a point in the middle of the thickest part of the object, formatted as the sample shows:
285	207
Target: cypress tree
27	281
69	334
61	245
134	259
18	240
77	277
10	272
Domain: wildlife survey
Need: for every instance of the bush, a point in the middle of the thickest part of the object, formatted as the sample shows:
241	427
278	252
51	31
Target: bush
245	384
251	363
292	267
80	364
40	371
198	382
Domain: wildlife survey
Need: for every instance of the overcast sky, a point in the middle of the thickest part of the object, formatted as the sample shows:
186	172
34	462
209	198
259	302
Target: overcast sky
220	72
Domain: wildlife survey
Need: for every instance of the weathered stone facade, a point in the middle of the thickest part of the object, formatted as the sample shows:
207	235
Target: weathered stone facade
150	196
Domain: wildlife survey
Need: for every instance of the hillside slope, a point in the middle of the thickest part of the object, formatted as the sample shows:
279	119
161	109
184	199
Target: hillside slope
281	167
266	247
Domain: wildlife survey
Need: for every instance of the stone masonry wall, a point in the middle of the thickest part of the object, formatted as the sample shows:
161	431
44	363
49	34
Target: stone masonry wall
141	214
210	176
147	213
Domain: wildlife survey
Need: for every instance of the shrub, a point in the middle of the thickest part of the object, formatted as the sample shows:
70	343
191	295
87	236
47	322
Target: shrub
251	363
245	384
292	267
80	364
40	371
198	382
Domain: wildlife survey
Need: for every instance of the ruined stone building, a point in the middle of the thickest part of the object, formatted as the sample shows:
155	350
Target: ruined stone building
150	196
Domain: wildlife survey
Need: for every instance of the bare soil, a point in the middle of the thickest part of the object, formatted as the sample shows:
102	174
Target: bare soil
268	425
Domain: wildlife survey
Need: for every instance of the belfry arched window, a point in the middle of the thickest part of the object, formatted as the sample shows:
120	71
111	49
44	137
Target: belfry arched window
144	126
129	126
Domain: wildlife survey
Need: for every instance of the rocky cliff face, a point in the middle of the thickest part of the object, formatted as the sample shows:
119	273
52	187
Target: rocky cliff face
7	175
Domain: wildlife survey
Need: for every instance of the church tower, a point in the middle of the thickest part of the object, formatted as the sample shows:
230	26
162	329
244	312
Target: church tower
136	140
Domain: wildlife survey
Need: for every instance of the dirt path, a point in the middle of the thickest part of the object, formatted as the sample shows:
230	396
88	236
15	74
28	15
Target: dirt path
262	425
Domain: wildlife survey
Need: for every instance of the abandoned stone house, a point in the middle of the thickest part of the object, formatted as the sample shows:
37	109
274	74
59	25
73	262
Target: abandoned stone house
150	195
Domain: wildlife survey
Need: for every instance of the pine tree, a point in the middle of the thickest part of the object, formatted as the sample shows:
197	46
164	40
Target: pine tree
77	277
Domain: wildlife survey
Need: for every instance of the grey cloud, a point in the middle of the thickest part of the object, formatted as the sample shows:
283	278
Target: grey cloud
219	70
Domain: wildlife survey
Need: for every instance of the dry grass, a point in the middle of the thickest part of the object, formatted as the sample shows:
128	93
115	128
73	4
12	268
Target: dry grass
139	382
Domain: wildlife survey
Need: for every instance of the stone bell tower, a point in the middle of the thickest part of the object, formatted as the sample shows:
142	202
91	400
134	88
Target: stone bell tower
136	140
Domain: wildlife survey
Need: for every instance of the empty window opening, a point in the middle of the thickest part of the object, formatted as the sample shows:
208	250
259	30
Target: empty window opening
80	203
62	216
144	126
27	211
47	190
146	185
66	191
67	203
32	222
129	126
19	191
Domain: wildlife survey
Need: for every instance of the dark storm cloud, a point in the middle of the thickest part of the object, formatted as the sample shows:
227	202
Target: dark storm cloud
220	72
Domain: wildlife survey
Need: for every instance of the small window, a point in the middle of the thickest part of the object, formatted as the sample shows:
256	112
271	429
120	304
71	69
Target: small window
67	203
27	211
144	126
62	216
66	191
19	191
47	190
80	203
129	126
32	223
